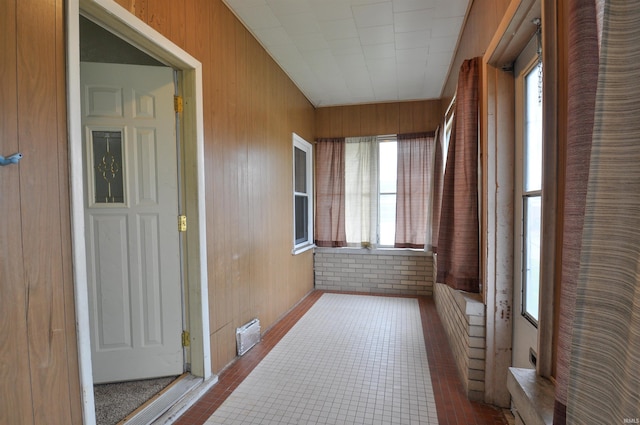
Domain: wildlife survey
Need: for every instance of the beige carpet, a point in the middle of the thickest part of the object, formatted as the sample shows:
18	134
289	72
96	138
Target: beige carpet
115	401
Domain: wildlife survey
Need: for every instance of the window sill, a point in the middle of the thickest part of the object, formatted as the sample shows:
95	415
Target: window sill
376	251
302	248
533	396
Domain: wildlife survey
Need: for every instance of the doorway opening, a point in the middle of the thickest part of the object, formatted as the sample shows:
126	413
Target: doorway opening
145	44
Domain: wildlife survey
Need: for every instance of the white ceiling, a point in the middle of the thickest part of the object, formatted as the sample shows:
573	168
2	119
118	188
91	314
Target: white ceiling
341	52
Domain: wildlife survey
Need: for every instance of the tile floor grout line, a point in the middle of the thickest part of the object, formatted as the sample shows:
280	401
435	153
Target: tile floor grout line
444	379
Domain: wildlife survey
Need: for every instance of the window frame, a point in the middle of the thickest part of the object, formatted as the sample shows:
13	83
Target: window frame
307	243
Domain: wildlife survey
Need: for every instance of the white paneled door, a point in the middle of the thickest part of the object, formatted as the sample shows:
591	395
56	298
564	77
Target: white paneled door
131	209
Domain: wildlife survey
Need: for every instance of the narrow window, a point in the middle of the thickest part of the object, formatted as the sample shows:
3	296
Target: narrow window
532	194
387	183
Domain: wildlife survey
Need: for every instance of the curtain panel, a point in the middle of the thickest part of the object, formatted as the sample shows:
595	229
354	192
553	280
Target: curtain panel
604	364
361	193
458	238
414	190
583	61
330	193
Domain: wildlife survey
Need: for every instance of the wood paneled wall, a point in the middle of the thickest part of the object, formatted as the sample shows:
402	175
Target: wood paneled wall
39	381
378	119
251	109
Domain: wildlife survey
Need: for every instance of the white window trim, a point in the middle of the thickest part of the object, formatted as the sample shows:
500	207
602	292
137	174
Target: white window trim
300	143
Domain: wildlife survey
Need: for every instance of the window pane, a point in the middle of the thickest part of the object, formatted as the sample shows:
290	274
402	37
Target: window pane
533	131
531	275
300	167
388	167
108	166
301	214
387	220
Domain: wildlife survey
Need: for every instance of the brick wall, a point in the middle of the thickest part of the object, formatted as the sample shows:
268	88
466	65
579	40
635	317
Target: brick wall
463	317
399	272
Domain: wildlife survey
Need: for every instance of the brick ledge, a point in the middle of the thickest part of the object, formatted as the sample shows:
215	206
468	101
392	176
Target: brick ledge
533	396
375	251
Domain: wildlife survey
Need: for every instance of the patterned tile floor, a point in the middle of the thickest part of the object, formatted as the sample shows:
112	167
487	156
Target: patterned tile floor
328	382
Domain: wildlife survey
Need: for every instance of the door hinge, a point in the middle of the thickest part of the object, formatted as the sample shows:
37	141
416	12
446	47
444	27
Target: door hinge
182	223
186	339
177	103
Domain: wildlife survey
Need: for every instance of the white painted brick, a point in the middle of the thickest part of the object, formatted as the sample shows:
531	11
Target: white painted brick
381	273
476	364
476	342
476	385
477	353
476	320
476	375
457	327
476	331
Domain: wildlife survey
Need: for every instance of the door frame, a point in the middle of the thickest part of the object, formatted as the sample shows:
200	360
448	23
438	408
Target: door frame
497	119
124	24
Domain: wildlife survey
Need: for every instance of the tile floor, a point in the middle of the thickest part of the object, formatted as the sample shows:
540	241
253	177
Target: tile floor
415	404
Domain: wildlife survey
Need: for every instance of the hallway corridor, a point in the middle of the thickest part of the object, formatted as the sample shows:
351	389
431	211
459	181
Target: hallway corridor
414	406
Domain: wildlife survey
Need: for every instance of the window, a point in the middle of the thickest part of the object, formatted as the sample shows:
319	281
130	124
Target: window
108	167
302	195
388	176
532	194
370	185
527	204
383	197
530	188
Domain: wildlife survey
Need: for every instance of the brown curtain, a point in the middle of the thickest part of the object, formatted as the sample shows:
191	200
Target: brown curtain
414	189
458	239
582	79
330	193
604	365
436	200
